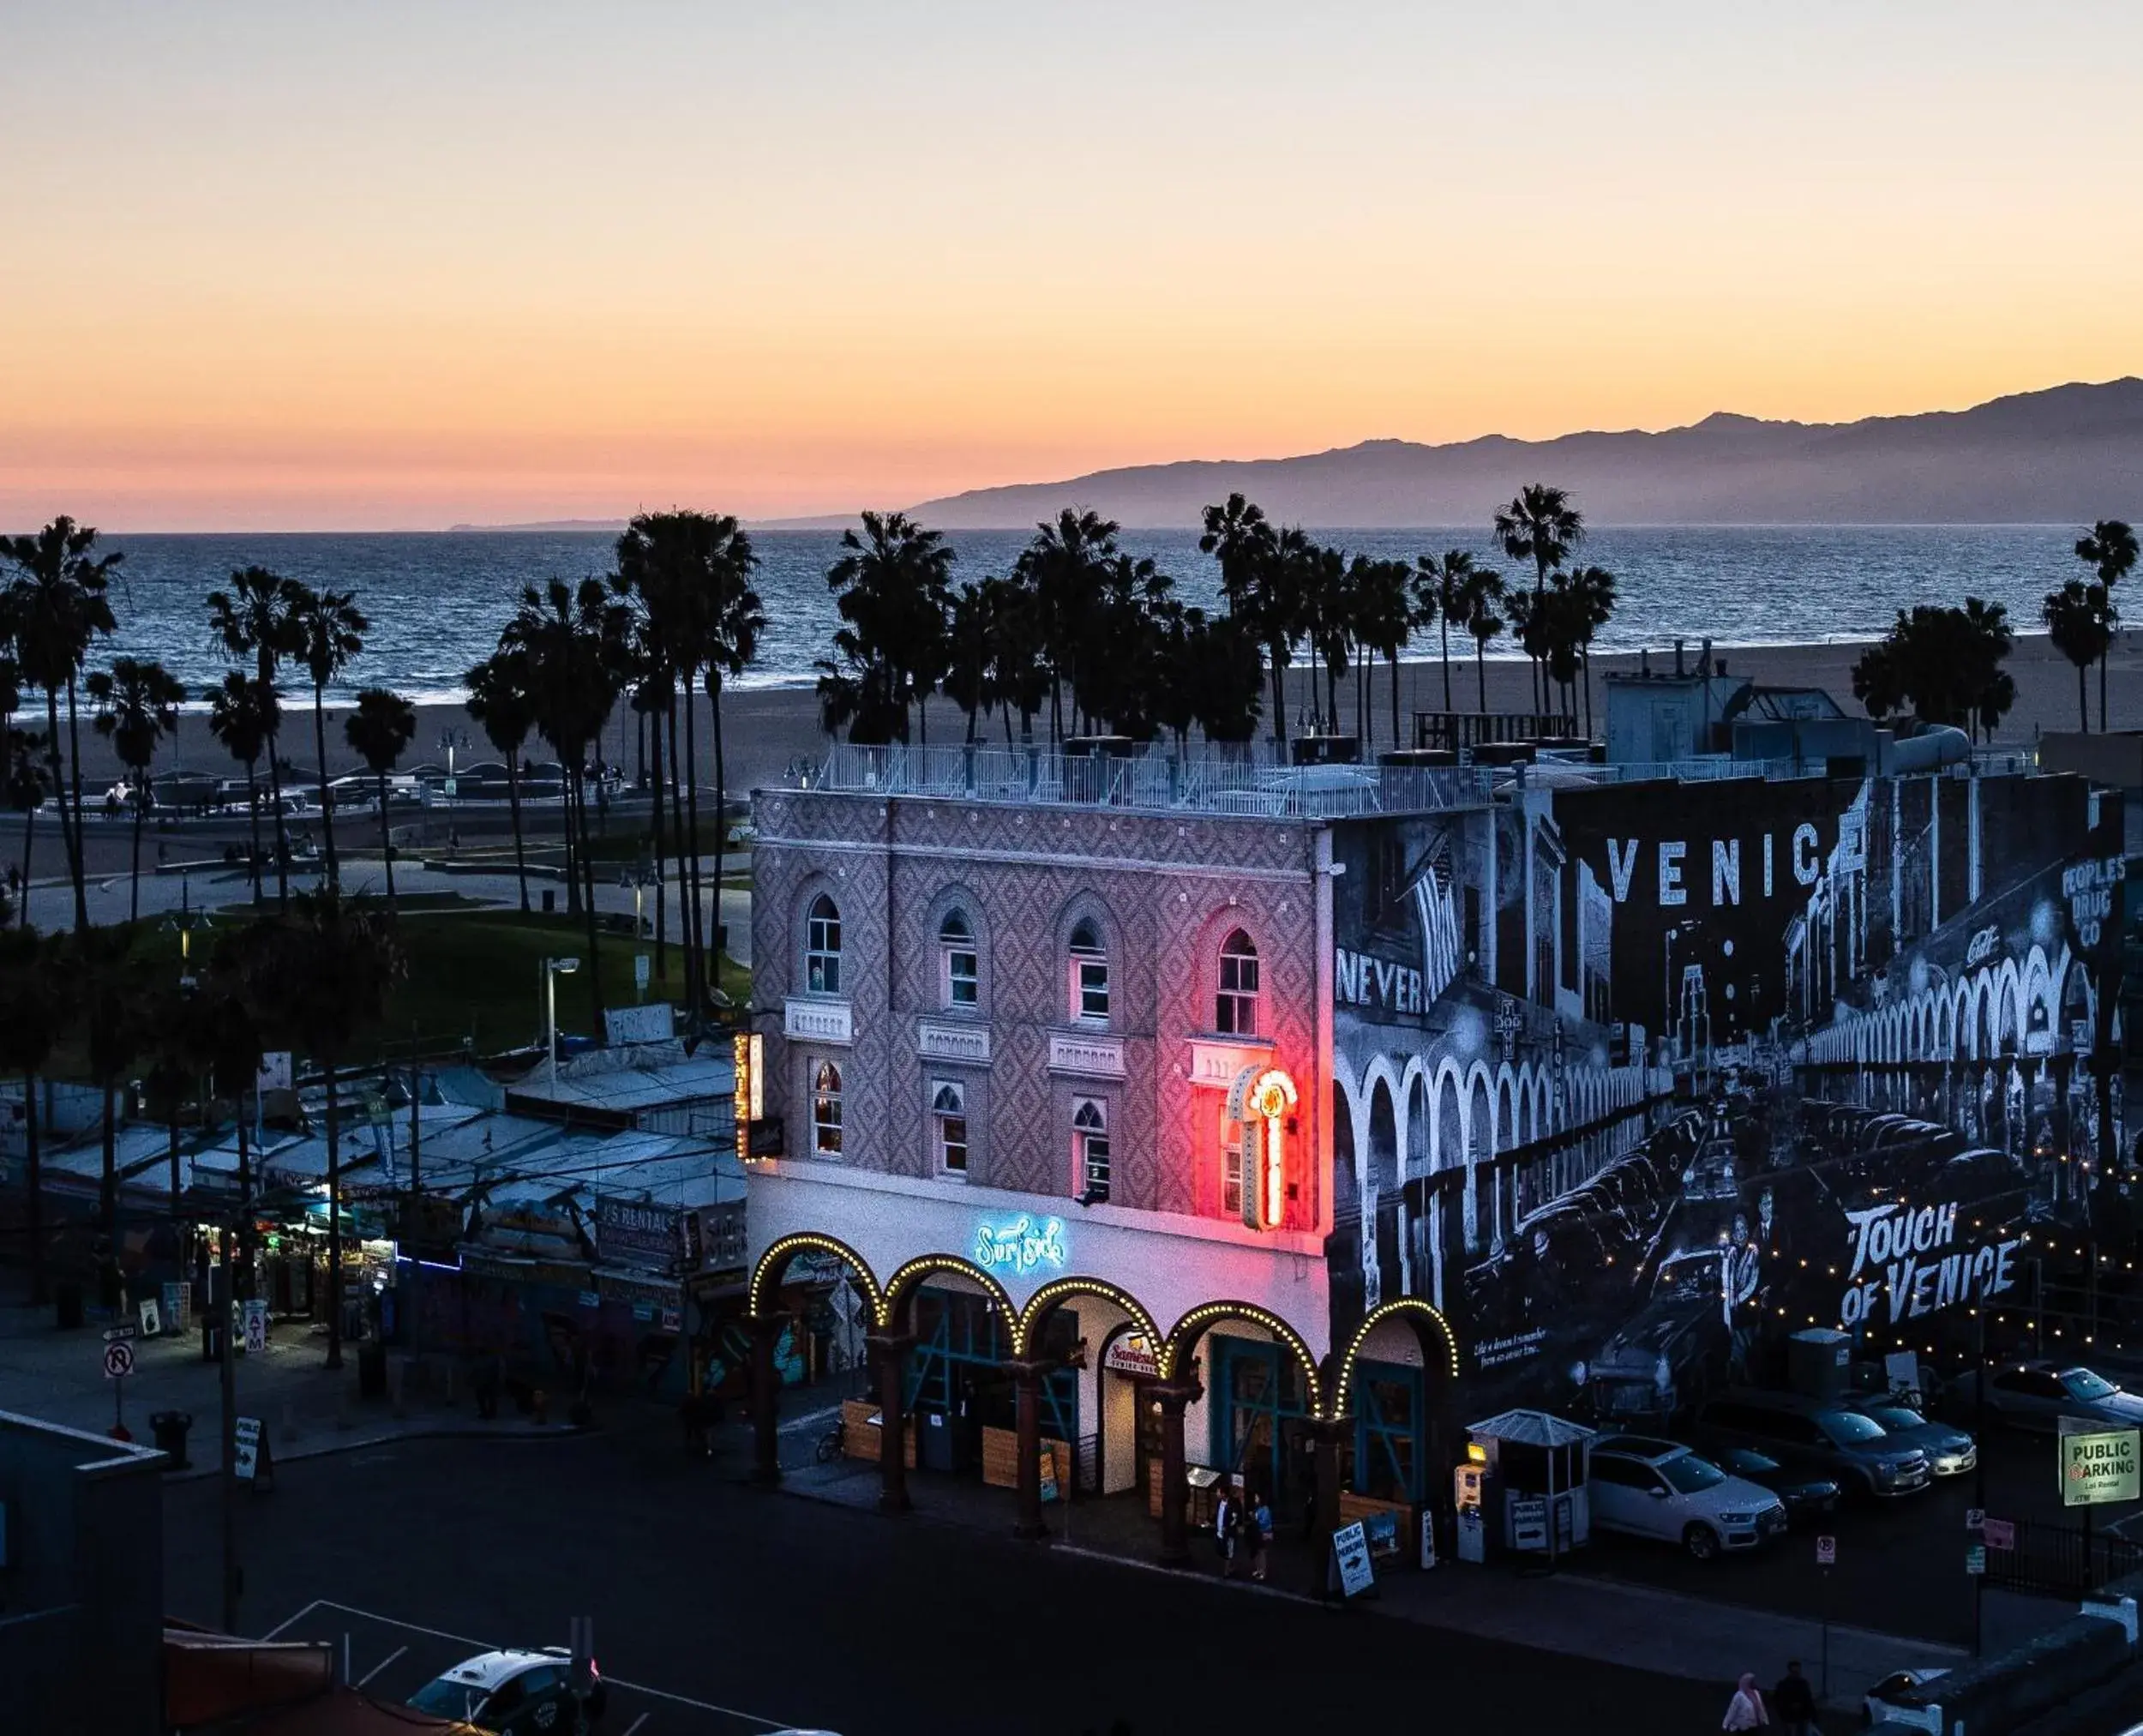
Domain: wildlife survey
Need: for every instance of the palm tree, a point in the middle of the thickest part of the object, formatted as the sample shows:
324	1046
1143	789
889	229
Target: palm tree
58	604
892	587
1481	597
2108	548
35	1005
1542	526
574	641
380	728
2076	620
1594	588
1065	565
138	706
23	785
1262	583
499	701
115	994
1384	622
316	976
694	571
1439	596
245	714
256	618
327	629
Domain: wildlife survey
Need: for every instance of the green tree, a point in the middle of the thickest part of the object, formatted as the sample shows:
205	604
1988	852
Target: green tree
1384	622
379	729
1483	597
499	702
328	629
2108	548
59	603
116	995
1944	663
244	715
23	782
257	618
2079	620
1065	566
1541	526
1594	600
315	975
1439	598
137	706
37	1002
1262	576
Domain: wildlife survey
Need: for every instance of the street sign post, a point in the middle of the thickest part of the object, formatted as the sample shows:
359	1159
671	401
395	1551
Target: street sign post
252	1461
1975	1559
1825	1551
118	1364
1351	1566
2100	1465
118	1360
1975	1518
1998	1534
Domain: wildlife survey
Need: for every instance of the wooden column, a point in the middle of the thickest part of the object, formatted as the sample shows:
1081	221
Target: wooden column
1174	1397
765	1331
1027	1388
889	1359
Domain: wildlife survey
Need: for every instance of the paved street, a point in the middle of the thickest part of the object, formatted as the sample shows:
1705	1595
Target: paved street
729	1609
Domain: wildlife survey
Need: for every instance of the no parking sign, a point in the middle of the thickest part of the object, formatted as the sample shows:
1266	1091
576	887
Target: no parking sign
1825	1551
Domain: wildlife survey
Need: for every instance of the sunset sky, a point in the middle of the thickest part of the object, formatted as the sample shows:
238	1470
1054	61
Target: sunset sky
338	267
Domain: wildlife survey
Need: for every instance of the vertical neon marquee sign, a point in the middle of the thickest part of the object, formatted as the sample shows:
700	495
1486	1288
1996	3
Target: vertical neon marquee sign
1262	1104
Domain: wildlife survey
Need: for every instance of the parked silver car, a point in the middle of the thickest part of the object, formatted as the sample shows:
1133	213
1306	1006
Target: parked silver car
1950	1451
1659	1488
2038	1395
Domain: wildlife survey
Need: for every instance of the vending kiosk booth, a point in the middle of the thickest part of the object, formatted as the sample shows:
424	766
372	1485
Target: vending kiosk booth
1525	1475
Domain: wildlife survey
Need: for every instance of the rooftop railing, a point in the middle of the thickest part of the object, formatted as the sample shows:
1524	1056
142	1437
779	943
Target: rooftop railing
1155	781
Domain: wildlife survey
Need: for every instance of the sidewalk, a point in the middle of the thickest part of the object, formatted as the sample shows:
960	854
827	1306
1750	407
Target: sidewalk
58	1377
1583	1612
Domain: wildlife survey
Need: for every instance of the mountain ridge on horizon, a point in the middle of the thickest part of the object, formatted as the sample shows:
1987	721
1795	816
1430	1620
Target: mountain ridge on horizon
2071	453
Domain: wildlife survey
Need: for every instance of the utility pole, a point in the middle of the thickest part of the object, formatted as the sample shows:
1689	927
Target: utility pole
226	1376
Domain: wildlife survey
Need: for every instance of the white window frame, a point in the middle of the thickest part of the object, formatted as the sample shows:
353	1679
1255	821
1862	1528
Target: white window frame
953	947
822	947
941	1117
1235	1007
1083	960
825	1110
1090	1128
1234	1169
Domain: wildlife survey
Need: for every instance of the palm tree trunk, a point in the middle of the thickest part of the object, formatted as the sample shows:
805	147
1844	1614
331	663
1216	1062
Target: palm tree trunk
386	840
662	869
587	910
73	756
1444	627
1279	702
676	828
2104	657
141	804
695	920
513	806
327	810
108	1199
34	1174
282	831
253	811
2083	701
1480	672
69	844
29	834
721	816
334	1221
1395	743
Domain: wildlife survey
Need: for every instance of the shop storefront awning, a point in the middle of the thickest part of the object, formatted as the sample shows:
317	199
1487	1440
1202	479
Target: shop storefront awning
1531	1428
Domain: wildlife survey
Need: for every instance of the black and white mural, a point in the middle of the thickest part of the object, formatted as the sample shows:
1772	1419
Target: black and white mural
1633	1079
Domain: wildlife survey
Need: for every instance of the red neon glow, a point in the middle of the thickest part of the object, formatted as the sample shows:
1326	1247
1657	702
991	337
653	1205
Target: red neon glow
1271	1098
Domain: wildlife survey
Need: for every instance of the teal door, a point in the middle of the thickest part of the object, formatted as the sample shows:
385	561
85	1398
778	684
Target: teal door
1390	1430
1259	1388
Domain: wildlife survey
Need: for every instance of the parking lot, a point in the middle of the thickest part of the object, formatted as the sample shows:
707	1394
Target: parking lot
1900	1562
391	1659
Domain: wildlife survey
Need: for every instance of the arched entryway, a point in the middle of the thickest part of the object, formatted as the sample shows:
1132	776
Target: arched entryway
1102	1337
1394	1387
1262	1389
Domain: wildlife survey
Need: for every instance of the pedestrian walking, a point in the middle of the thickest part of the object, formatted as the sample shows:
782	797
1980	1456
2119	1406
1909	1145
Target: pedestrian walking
1795	1701
1260	1534
1745	1710
1224	1526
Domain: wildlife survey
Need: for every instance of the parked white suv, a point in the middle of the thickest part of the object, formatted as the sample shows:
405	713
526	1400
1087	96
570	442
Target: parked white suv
1656	1488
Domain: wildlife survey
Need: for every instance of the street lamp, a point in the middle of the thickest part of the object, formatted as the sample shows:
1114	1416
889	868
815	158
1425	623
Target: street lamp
553	970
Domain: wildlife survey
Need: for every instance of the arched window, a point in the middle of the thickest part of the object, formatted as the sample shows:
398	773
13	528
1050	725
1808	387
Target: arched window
1235	1007
948	1126
959	967
1089	1149
822	947
1090	973
825	1110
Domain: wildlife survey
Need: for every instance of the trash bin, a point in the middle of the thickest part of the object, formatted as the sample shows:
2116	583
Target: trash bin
170	1426
551	901
372	1370
67	1307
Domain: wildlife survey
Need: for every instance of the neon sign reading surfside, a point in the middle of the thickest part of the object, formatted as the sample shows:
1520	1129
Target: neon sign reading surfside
1020	1245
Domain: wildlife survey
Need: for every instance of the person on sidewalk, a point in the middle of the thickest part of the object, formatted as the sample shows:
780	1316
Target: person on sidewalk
1796	1702
1225	1512
1745	1710
1260	1534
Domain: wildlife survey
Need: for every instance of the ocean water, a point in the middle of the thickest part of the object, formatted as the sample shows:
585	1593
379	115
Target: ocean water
437	600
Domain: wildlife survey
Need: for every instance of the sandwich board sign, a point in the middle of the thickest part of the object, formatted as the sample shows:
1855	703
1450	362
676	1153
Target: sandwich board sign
2099	1465
251	1460
1351	1564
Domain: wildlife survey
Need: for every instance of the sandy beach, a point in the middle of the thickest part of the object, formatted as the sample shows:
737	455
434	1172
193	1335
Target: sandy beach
769	730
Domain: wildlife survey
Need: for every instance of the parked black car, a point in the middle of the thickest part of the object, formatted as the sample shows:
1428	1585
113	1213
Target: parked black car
1805	1497
1816	1437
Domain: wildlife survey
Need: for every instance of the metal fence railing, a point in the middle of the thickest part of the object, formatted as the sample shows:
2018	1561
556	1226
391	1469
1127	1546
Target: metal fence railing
1154	781
2052	1559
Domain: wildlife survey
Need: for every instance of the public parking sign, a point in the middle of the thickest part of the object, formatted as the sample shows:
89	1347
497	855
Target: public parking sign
2099	1466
